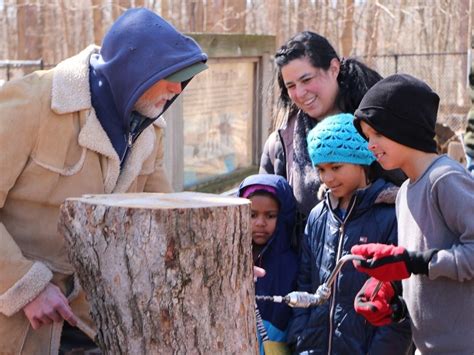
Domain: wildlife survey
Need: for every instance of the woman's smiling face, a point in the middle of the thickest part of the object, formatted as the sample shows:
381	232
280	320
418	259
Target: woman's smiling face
313	90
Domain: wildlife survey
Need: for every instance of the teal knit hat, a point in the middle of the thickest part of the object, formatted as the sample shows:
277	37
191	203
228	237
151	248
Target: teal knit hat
335	140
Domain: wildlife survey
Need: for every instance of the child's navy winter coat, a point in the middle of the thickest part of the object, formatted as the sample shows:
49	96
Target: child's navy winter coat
277	258
335	327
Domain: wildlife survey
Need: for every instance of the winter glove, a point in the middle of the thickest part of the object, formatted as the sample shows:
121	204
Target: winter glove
378	302
390	262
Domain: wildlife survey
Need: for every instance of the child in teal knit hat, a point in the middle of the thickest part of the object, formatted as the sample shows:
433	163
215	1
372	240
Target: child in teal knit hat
354	211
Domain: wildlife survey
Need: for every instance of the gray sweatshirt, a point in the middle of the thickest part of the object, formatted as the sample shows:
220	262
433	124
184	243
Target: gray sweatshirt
437	211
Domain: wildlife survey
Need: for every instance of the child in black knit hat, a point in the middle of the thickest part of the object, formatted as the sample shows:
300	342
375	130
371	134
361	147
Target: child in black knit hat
435	216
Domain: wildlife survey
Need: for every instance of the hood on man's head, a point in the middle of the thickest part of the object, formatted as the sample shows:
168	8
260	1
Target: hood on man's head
142	48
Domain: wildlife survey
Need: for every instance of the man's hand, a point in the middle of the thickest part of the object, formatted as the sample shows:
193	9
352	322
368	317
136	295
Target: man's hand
378	303
390	262
258	272
48	307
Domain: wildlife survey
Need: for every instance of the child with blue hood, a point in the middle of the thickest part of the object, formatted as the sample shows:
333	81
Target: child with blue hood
273	220
355	210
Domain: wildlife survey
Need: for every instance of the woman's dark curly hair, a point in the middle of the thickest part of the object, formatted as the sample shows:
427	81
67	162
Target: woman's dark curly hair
354	78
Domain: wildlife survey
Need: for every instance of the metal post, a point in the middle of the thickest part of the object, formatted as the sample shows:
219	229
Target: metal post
8	64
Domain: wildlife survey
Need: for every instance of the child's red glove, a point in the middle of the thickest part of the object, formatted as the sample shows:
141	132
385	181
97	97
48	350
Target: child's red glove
390	262
378	303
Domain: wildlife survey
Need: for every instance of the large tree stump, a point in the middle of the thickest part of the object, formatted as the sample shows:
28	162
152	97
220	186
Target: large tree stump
165	273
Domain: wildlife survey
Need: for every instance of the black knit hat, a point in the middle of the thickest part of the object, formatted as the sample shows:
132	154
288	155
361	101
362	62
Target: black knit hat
402	108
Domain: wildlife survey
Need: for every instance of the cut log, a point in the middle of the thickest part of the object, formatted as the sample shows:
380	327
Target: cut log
165	273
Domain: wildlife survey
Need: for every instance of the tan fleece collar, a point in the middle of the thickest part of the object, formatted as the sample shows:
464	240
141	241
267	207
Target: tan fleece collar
71	93
93	137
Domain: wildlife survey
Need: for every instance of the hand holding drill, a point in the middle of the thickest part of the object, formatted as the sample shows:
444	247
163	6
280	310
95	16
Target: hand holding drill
391	263
379	303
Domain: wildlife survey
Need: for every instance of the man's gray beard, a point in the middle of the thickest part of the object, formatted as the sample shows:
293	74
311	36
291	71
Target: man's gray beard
148	109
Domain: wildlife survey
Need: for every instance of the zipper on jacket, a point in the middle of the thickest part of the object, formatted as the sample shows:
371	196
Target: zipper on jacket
334	285
138	124
129	140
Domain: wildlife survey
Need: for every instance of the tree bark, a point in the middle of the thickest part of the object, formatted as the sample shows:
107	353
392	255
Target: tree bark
348	25
165	273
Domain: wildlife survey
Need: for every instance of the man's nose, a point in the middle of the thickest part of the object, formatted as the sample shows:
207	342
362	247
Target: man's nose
175	88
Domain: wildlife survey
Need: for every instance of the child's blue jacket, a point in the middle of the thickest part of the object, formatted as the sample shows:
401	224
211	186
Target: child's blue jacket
278	259
335	327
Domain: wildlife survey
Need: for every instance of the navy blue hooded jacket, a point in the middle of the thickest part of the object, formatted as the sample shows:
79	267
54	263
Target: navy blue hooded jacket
140	49
335	327
277	258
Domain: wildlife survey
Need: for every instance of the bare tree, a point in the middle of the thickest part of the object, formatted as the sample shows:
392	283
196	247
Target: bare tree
373	30
347	36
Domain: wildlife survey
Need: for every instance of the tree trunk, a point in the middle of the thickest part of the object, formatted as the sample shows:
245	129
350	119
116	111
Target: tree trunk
346	36
165	273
